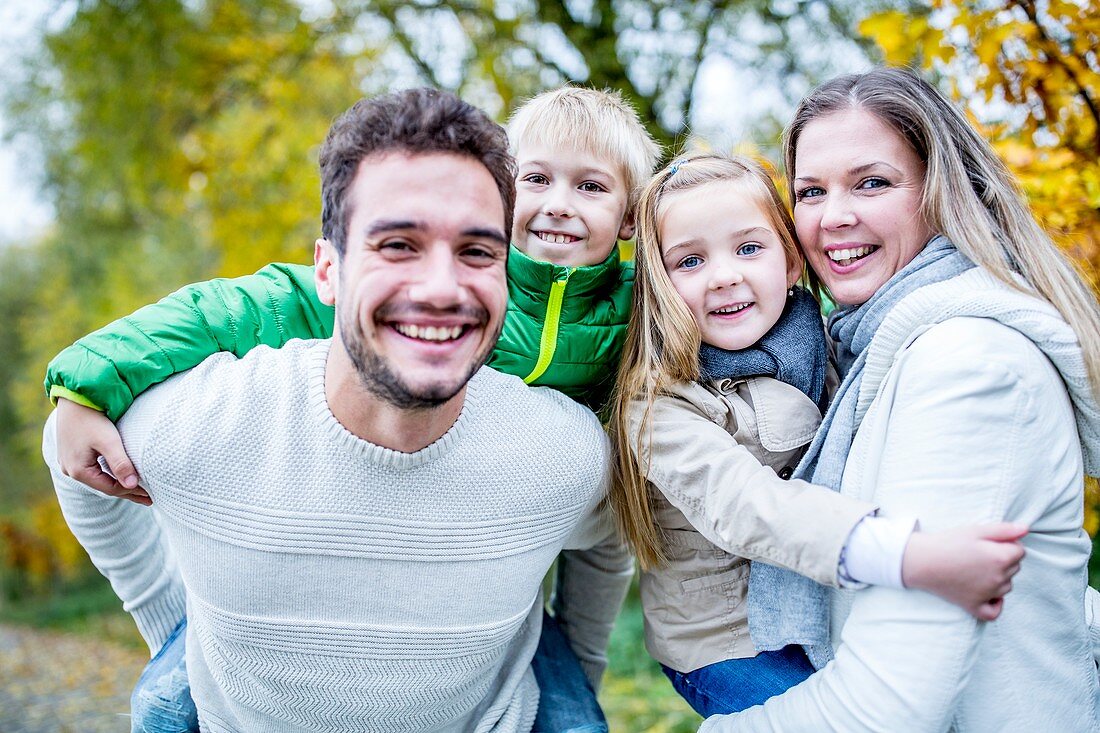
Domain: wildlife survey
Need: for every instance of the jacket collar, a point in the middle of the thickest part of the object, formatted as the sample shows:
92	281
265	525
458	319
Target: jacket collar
529	283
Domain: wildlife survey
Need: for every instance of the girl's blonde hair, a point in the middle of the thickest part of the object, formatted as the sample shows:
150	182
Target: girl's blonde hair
662	338
969	195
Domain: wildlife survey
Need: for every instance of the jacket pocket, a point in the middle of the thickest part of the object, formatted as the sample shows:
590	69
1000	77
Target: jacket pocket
715	581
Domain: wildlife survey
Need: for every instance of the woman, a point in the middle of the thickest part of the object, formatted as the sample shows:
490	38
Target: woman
970	349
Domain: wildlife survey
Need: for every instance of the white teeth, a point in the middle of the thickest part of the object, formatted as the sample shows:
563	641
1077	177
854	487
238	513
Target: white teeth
840	255
429	333
733	308
553	238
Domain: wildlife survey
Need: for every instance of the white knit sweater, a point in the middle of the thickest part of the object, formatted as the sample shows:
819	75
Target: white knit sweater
335	585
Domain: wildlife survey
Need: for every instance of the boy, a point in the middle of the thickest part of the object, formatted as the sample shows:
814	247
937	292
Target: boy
581	154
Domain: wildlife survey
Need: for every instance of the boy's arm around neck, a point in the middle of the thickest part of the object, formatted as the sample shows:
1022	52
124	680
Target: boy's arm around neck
109	368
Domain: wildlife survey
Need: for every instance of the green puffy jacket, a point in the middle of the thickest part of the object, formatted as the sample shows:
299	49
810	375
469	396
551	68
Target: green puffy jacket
564	329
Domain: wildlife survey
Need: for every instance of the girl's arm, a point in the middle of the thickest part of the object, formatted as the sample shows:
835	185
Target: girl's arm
742	506
738	503
108	368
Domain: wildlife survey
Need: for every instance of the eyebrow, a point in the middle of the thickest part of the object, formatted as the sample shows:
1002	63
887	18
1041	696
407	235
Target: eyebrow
855	171
483	233
590	171
383	226
735	235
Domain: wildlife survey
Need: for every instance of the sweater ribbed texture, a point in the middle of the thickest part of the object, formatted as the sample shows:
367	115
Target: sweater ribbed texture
336	585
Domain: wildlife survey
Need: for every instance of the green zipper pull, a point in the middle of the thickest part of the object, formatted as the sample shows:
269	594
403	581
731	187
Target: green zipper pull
549	341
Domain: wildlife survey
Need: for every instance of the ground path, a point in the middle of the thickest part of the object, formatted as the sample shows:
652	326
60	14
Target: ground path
53	682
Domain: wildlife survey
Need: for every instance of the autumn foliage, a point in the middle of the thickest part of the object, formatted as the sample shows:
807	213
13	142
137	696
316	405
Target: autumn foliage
1029	74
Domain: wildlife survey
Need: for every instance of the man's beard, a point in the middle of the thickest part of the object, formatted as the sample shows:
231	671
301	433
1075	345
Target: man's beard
381	381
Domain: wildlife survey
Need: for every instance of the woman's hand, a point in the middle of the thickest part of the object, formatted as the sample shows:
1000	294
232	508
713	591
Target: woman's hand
970	566
83	435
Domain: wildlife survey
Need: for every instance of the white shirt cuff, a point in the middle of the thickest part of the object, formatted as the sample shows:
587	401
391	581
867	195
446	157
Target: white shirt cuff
874	552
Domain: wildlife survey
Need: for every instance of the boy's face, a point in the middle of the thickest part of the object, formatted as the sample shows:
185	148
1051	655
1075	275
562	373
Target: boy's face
570	206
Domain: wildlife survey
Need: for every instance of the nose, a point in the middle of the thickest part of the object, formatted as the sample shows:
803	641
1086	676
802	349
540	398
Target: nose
438	284
558	201
837	212
725	273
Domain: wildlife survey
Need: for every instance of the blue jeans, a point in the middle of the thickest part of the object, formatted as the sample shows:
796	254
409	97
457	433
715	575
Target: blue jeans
162	702
567	703
737	684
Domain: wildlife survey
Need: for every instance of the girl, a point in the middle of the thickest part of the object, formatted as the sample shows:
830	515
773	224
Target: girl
722	385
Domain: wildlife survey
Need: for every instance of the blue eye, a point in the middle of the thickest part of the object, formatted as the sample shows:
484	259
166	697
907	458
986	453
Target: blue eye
690	262
809	192
748	249
874	182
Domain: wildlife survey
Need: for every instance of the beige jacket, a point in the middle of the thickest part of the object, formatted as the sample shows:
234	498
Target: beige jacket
721	504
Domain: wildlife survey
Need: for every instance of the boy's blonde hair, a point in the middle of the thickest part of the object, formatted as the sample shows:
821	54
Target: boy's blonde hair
662	337
600	122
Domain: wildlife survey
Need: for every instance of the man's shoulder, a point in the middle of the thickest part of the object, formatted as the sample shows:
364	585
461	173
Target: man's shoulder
542	412
223	381
501	388
540	438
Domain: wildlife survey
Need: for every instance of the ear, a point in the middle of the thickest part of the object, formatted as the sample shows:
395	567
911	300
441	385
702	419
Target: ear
326	271
626	228
794	270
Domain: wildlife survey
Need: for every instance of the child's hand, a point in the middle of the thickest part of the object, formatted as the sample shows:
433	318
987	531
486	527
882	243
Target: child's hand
83	435
971	566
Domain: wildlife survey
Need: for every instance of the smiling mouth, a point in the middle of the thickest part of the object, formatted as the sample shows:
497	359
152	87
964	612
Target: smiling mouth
731	309
556	238
845	257
434	334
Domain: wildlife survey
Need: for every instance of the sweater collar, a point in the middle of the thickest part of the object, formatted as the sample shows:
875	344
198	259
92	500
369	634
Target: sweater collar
340	436
529	282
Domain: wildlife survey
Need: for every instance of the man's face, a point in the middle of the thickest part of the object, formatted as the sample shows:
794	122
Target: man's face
420	291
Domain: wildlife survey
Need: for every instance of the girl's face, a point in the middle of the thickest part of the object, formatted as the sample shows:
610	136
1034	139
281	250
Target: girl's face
858	187
726	261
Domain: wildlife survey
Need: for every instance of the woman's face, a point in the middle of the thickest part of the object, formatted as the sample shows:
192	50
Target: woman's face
857	207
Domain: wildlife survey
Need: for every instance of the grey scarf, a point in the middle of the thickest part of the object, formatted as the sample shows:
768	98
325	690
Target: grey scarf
792	351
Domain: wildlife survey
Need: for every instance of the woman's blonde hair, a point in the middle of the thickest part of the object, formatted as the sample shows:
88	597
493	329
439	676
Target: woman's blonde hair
662	338
969	195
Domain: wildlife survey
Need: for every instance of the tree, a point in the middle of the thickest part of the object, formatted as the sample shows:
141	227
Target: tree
1030	75
178	144
496	52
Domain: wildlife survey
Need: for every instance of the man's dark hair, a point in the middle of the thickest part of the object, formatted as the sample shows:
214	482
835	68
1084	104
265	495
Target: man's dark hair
410	121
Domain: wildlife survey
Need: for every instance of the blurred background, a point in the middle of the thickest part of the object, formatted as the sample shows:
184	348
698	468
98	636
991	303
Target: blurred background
149	144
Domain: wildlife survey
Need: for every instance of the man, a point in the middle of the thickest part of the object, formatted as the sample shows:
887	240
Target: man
362	525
